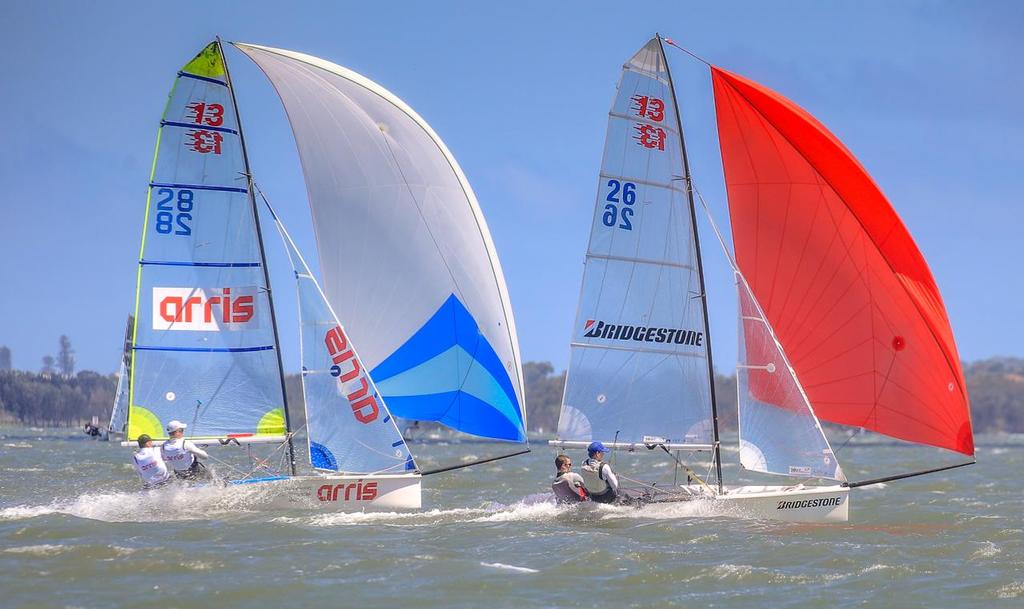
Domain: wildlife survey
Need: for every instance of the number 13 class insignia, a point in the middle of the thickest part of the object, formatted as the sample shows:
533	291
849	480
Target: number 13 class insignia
202	113
652	108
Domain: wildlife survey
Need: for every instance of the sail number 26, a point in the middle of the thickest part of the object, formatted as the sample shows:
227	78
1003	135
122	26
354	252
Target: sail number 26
174	211
618	212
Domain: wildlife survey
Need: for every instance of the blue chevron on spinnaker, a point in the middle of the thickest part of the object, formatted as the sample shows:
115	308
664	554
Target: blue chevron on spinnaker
448	372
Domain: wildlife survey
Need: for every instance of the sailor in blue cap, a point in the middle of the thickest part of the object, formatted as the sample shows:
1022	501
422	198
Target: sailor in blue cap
602	486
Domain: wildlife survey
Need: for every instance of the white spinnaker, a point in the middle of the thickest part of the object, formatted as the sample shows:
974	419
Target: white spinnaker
404	249
639	367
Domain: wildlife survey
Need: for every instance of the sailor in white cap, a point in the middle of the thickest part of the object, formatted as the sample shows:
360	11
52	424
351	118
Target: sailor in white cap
181	455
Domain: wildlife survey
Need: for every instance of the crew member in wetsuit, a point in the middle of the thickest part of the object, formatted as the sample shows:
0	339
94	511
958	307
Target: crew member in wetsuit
181	455
601	483
568	486
149	464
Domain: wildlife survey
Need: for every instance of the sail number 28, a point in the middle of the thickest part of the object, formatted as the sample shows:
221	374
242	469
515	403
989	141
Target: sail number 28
174	211
618	212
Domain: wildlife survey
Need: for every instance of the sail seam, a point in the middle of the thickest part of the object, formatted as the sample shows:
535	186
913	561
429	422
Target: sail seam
198	187
204	349
231	265
203	78
199	127
679	265
666	185
634	350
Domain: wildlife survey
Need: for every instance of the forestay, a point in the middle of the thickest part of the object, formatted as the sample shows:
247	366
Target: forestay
639	366
204	349
779	433
348	425
406	257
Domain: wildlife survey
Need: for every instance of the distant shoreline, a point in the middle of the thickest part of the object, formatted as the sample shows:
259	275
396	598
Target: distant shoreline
995	387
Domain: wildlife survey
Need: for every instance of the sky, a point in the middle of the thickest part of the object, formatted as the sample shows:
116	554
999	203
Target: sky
926	94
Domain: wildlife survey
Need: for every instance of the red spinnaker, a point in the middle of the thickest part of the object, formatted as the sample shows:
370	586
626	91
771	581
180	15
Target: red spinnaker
840	279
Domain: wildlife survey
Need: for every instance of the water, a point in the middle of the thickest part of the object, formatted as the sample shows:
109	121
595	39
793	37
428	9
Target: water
74	532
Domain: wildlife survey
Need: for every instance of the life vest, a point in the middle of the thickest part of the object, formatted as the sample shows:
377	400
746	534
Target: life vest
175	455
593	476
150	466
569	488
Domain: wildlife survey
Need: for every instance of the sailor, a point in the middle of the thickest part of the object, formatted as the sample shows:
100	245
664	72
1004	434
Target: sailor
601	483
568	486
181	455
149	464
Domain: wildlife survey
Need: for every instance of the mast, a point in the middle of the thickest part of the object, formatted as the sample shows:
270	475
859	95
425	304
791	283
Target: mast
263	257
700	265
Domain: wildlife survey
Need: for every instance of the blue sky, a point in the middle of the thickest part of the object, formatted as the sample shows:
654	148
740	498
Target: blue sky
926	94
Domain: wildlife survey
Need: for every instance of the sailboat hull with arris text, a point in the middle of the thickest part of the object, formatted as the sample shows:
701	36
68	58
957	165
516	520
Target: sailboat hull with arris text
434	342
839	317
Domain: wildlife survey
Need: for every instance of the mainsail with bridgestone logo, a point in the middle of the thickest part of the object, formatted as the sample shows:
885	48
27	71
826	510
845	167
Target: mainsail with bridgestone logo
639	370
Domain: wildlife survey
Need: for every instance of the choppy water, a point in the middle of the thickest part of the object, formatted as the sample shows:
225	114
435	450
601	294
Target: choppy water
74	532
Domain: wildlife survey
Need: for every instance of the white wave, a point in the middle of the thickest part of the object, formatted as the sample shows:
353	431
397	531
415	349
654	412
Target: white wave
408	519
38	550
1011	590
523	512
498	565
988	549
159	505
21	512
18	445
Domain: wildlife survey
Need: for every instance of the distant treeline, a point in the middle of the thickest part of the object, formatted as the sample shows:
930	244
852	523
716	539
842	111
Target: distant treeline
996	387
47	399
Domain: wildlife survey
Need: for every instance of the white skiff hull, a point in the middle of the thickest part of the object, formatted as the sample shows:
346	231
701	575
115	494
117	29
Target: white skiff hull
821	504
386	492
791	504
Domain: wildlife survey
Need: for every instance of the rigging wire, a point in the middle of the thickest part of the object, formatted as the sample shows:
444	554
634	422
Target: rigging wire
671	42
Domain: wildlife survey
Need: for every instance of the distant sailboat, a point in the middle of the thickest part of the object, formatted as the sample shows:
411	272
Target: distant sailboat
840	318
407	261
119	411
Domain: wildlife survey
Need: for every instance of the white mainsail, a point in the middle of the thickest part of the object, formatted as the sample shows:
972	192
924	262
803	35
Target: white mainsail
204	349
639	371
406	256
119	412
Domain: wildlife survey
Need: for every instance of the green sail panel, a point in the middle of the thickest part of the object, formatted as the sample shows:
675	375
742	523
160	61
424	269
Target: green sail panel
203	345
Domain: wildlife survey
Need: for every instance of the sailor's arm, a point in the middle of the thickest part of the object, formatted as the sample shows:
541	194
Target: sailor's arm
609	477
195	450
